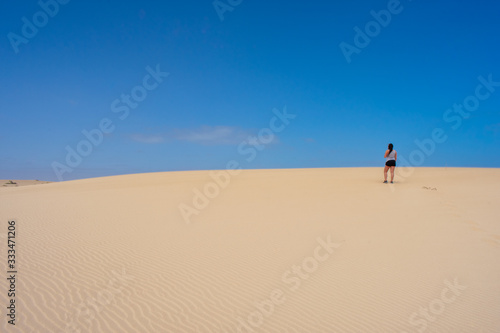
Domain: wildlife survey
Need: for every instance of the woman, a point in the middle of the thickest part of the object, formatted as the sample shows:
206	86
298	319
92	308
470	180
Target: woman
390	162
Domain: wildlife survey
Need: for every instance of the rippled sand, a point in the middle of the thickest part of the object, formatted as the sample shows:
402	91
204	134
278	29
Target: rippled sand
299	250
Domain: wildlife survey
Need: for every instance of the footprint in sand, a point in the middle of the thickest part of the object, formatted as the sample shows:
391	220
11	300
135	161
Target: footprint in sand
429	188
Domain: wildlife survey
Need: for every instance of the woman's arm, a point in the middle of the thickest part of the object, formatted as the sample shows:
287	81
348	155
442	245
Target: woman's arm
396	156
386	153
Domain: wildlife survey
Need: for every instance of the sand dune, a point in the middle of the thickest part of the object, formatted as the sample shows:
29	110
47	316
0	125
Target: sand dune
299	250
17	183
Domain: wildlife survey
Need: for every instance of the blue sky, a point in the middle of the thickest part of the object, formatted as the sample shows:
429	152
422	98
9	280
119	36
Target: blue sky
225	78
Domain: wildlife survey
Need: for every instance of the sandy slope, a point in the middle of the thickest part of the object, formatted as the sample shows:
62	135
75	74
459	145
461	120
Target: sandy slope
313	250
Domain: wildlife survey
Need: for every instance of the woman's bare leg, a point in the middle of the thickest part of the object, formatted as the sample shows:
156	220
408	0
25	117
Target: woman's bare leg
392	173
385	172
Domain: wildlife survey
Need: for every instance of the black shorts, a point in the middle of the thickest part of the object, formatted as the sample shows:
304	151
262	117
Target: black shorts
390	163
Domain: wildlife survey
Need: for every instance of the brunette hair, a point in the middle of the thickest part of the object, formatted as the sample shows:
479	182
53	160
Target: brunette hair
391	147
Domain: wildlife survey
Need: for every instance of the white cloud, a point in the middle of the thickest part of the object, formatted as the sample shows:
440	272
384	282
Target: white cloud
204	135
213	135
150	139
